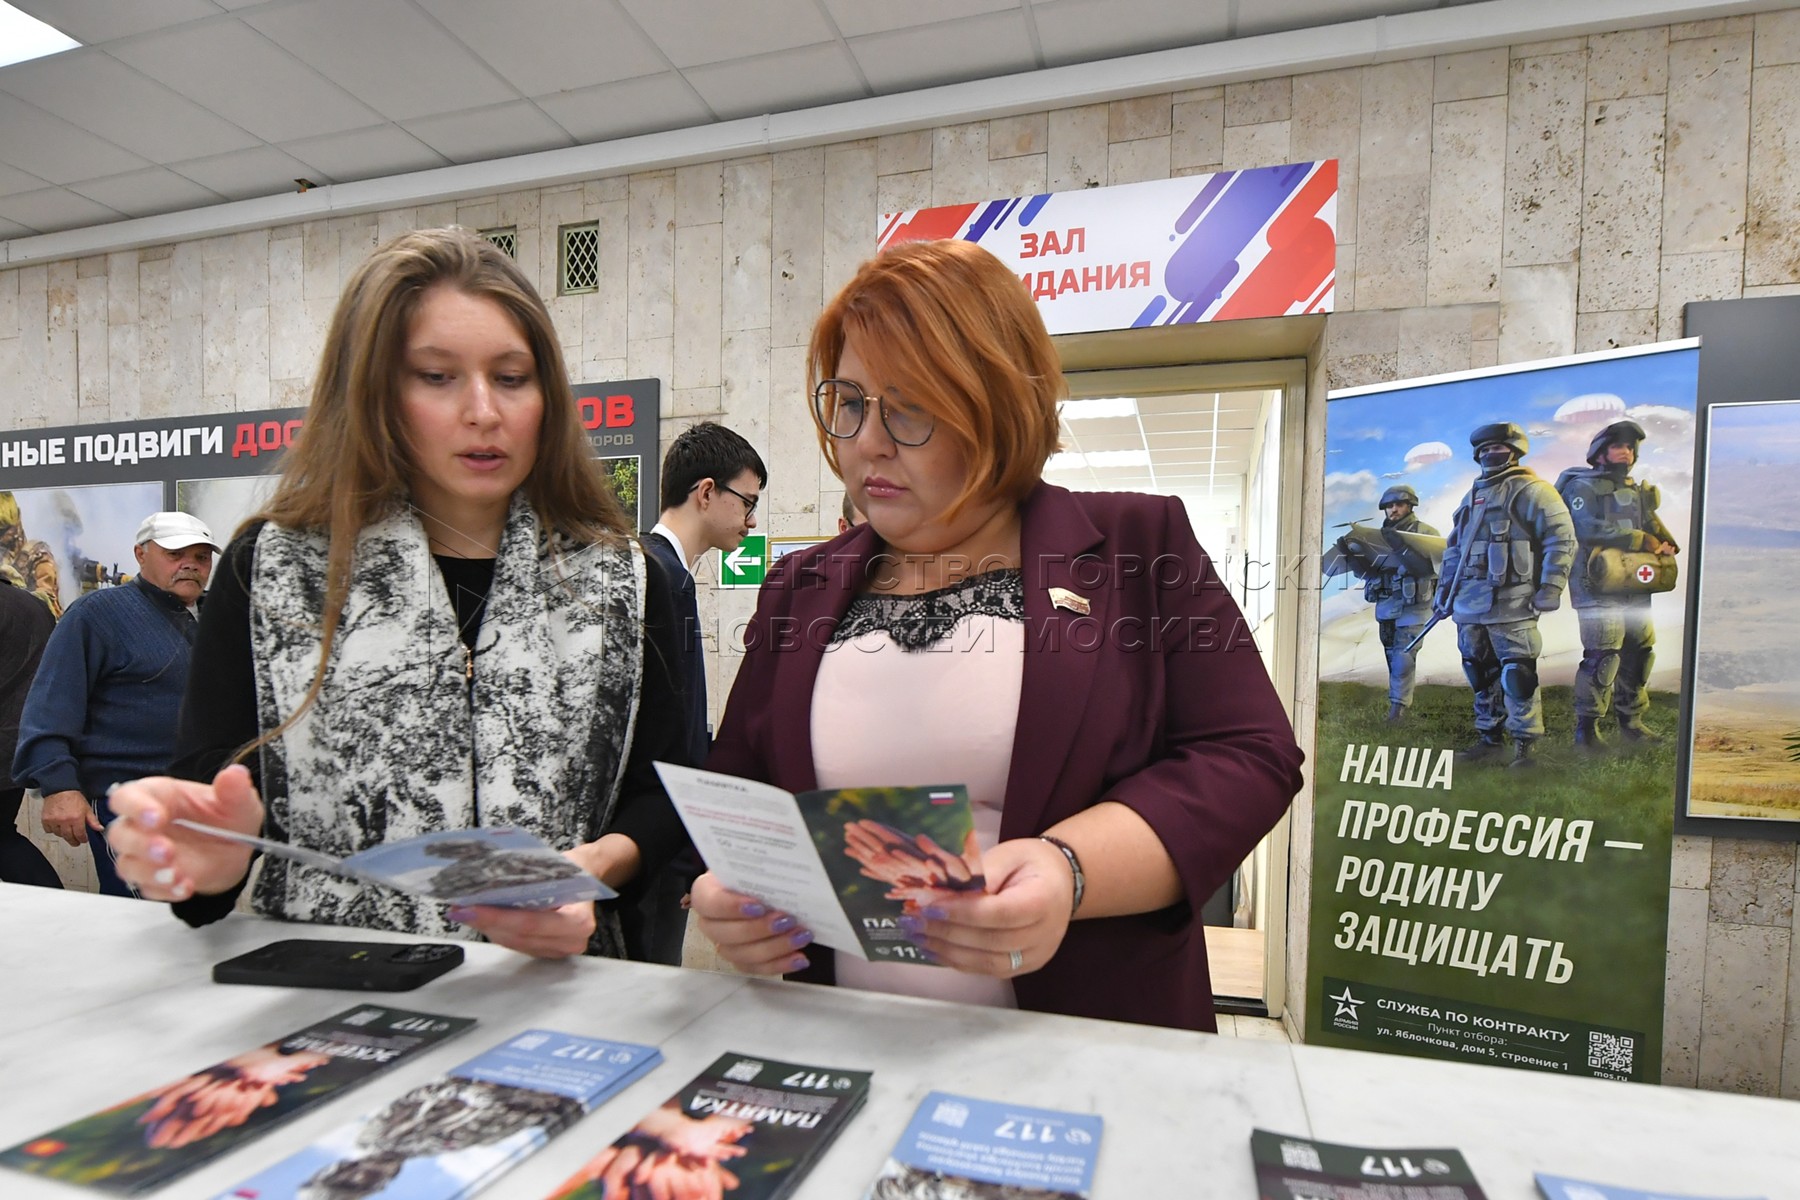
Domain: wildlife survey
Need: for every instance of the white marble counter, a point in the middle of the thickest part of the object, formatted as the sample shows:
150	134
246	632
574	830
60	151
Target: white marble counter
101	999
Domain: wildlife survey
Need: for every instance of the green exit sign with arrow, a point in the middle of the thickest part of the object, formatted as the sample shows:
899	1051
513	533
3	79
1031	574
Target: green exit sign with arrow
745	566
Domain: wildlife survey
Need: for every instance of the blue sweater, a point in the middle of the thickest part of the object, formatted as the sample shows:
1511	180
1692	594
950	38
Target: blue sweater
104	705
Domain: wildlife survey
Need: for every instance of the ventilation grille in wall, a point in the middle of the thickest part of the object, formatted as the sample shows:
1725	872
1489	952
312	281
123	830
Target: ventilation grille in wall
507	238
580	258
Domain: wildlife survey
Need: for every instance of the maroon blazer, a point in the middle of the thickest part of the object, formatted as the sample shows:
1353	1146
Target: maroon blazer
1155	697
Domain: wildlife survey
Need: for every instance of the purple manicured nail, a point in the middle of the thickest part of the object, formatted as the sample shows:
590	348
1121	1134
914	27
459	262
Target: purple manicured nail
798	963
937	914
159	852
752	909
910	925
781	924
801	938
148	818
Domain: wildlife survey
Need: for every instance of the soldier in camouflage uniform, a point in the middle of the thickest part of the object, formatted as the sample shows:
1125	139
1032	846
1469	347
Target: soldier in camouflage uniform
1506	561
26	563
1400	584
1613	511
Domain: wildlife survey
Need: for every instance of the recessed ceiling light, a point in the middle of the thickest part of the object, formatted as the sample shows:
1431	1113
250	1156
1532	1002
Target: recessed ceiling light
1087	410
24	37
1068	460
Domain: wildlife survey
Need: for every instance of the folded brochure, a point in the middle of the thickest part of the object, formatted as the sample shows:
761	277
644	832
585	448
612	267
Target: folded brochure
747	1127
151	1138
957	1148
503	867
1297	1168
846	863
449	1138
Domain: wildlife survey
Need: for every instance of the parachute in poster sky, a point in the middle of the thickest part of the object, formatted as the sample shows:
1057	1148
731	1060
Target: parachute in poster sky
1426	453
1594	408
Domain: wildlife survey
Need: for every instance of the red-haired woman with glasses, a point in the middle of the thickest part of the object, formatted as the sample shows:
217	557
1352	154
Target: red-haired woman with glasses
1073	659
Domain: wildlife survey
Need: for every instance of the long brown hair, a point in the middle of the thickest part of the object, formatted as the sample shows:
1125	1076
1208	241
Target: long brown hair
955	330
350	466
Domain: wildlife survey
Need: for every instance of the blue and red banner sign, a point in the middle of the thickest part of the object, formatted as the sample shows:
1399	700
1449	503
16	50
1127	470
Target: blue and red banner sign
1220	247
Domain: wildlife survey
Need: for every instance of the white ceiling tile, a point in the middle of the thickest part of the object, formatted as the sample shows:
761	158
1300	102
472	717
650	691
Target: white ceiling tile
855	18
52	209
93	21
781	82
948	52
1302	14
14	181
12	229
389	55
615	110
1073	31
543	47
50	148
260	85
517	128
146	193
104	96
243	174
366	153
692	32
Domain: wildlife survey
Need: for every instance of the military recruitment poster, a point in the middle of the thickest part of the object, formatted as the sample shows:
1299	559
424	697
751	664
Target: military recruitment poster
1499	710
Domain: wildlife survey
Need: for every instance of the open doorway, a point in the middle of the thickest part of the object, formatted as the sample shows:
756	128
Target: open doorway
1226	439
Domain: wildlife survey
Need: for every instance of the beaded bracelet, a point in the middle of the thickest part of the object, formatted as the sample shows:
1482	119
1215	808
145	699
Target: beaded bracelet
1068	852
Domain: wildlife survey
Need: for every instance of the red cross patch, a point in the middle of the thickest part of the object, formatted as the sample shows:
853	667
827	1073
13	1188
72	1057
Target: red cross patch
1646	574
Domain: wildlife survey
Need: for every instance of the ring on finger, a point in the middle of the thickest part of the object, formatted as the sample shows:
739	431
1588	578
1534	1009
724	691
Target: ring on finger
1017	959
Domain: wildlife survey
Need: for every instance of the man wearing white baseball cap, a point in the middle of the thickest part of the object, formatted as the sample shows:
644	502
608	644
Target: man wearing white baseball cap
104	704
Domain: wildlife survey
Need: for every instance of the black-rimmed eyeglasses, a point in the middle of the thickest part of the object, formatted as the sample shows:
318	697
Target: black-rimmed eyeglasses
839	407
749	501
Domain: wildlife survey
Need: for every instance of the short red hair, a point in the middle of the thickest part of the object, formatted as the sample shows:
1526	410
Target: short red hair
956	332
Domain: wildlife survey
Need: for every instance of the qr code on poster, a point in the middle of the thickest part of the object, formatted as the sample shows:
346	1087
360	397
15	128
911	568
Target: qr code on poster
1611	1051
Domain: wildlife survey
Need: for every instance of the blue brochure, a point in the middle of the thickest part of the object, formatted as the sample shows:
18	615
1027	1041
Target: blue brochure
449	1138
1555	1187
955	1144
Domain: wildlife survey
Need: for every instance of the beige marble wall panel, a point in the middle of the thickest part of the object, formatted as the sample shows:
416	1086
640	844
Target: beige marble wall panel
1777	37
186	275
123	372
748	202
699	277
898	153
436	216
9	304
793	164
651	358
1266	145
1362	348
391	223
1484	352
850	215
650	257
1027	175
1344	285
797	284
1259	101
1690	277
250	385
93	399
1574	45
478	213
1716	27
700	194
744	394
10	358
605	190
959	164
1327	123
121	288
523	211
61	380
695	402
1775	289
1197	134
1621	225
1434	341
291	352
1745	1007
1537	312
356	241
1137	161
1012	137
319	255
1684	987
903	193
1078	147
1708	145
187	365
1140	117
1469	76
1772	246
154	398
29	388
1790	1059
1396	120
1544	133
1633	62
1468	180
1690	862
1612	330
1752	882
791	450
1393	224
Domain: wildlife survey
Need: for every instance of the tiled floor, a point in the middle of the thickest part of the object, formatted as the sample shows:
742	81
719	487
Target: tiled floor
1259	1028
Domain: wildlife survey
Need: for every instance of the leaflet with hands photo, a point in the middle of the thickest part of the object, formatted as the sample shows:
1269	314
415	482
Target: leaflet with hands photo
846	863
500	867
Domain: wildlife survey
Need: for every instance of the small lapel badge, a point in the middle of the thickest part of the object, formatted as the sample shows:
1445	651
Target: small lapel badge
1064	598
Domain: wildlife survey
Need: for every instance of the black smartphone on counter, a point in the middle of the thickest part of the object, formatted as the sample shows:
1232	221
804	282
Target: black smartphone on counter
348	966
